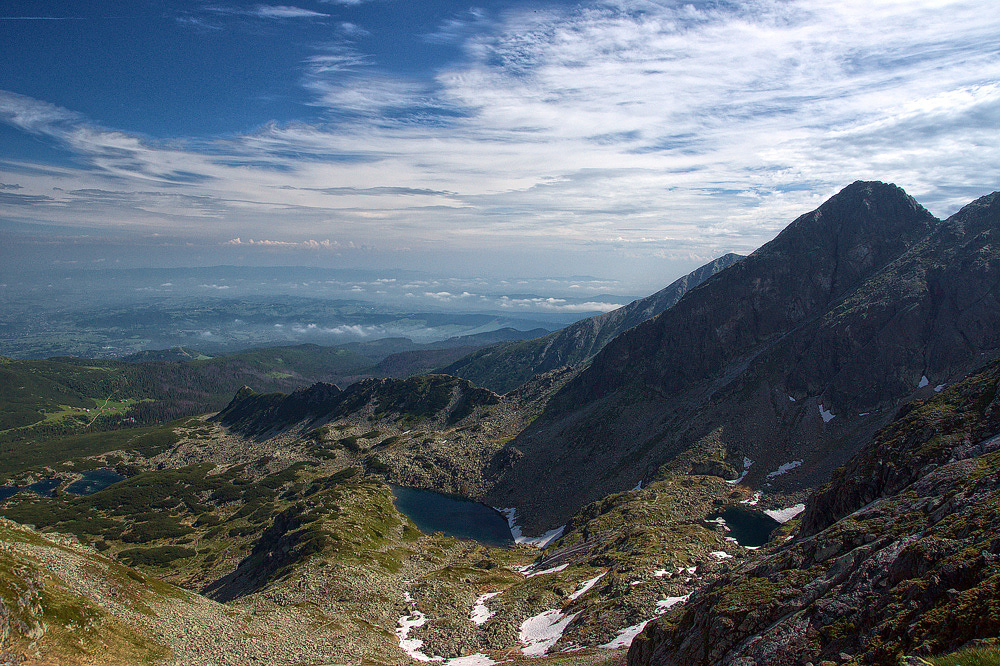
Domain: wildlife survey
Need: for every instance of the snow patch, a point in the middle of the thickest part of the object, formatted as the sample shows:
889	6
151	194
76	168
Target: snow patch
477	659
784	515
939	388
411	646
660	573
746	469
753	501
720	521
638	486
585	587
785	468
663	605
515	531
480	612
539	633
791	399
546	571
721	554
923	381
826	414
625	636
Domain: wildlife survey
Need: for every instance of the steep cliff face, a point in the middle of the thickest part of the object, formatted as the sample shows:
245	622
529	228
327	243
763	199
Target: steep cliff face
789	360
505	367
897	555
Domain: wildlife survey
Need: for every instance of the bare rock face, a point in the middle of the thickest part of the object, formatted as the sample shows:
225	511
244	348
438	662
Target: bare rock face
795	356
819	258
897	556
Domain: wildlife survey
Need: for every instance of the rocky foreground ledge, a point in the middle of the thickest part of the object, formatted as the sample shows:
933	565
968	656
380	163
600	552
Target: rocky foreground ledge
897	556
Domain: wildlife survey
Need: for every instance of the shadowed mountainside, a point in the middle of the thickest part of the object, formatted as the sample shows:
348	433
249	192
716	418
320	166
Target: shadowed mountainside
780	367
504	367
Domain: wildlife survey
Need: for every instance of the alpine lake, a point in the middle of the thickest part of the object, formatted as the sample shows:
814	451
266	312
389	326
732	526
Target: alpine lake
453	516
89	483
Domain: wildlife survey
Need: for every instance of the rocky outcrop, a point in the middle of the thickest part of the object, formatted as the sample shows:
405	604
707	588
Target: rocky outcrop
909	566
781	366
504	367
429	397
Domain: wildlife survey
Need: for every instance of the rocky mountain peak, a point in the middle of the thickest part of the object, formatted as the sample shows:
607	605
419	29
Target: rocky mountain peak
858	230
818	259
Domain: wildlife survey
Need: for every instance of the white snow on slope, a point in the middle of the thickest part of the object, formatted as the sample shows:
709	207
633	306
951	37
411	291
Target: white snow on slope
480	612
939	388
754	500
663	605
515	530
826	414
721	554
411	646
923	382
786	467
585	587
784	515
546	571
746	469
539	633
625	636
477	659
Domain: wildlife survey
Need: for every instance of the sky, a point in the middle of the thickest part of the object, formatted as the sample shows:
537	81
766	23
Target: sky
625	139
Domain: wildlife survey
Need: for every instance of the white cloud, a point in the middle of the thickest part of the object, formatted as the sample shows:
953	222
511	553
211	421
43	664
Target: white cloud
285	11
310	244
550	304
352	29
653	131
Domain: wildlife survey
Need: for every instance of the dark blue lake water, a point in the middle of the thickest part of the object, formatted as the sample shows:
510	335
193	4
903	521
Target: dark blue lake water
433	512
90	482
748	527
43	488
93	481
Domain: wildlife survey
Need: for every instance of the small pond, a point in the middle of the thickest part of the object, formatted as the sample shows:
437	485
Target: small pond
455	516
43	488
748	527
94	480
89	483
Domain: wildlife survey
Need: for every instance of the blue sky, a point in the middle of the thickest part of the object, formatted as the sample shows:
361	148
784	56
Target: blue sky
618	139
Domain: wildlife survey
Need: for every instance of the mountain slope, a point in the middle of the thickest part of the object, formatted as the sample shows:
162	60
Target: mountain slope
911	564
782	366
504	367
